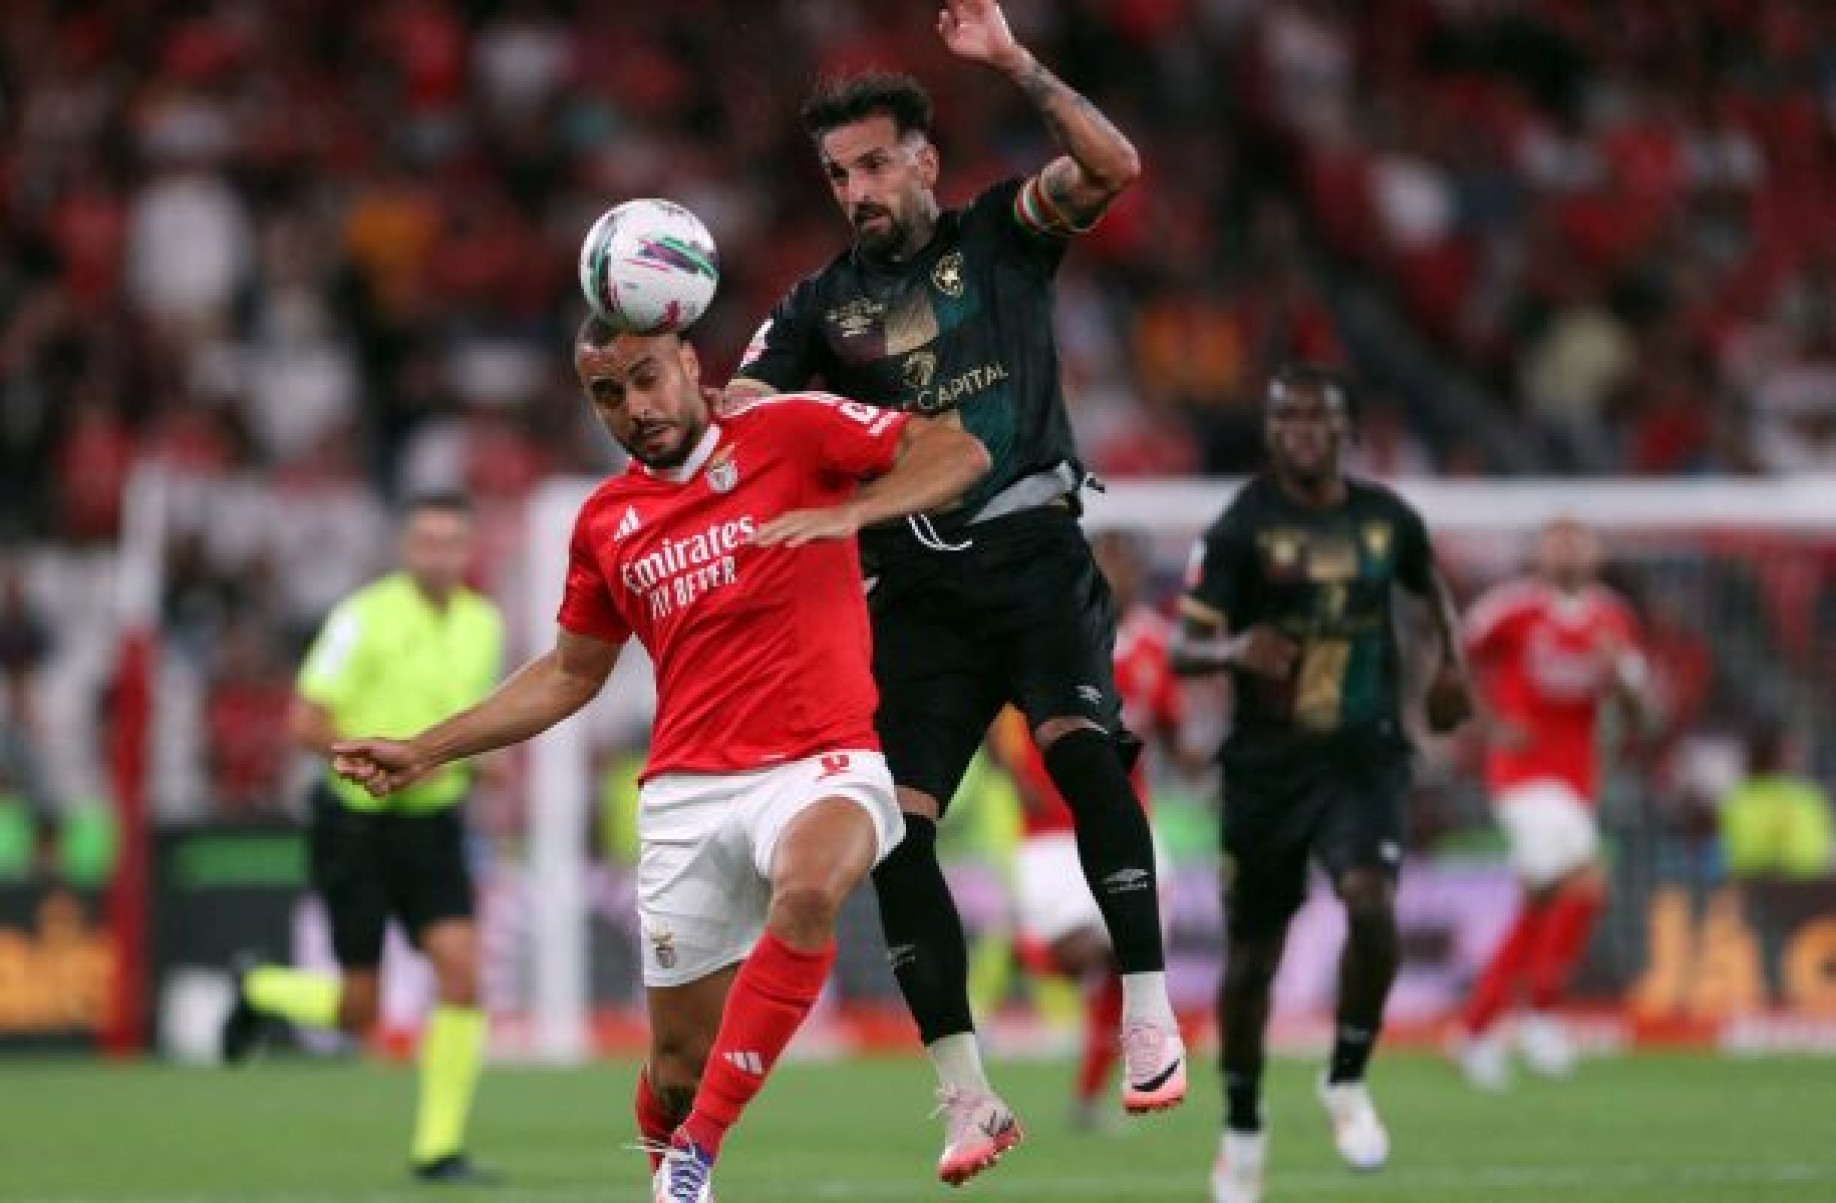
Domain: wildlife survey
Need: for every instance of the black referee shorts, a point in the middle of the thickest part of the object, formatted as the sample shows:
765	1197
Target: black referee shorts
371	866
1021	616
1344	809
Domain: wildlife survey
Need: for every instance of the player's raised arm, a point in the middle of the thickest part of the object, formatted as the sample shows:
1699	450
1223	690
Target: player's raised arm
540	694
1072	191
933	465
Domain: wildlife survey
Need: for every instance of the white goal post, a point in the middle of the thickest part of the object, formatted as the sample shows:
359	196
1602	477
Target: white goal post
561	782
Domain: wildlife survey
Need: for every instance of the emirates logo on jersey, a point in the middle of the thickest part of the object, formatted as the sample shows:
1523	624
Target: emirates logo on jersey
723	474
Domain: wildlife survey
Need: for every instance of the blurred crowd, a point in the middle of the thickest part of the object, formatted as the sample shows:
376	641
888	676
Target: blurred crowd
315	257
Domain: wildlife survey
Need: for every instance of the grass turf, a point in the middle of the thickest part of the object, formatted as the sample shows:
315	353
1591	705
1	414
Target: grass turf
1647	1128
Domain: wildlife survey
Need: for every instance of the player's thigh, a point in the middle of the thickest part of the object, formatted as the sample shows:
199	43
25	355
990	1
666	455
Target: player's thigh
1051	898
938	694
824	821
1058	634
1550	830
429	873
1363	823
348	871
1266	830
701	902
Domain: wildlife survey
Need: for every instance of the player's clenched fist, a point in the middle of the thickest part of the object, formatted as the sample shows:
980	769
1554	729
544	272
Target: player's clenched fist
381	766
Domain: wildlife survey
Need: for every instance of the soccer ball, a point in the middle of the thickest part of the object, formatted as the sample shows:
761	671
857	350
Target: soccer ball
649	267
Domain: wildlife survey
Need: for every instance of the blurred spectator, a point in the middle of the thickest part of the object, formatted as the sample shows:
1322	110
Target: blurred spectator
25	645
1776	825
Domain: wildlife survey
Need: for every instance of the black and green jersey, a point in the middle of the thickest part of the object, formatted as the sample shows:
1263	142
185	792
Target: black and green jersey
963	328
1326	578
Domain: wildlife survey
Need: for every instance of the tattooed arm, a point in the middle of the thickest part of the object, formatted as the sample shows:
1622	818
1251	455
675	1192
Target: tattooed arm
1071	192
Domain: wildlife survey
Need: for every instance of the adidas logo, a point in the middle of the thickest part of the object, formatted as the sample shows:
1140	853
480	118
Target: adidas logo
746	1061
626	525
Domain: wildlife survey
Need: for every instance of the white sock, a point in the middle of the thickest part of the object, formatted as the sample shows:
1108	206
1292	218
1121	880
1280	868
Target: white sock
958	1060
1144	1000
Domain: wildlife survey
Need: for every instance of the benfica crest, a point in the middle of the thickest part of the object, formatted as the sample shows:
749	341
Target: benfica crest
723	474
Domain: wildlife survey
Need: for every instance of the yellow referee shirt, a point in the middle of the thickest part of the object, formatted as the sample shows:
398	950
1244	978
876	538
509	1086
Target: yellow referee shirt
388	663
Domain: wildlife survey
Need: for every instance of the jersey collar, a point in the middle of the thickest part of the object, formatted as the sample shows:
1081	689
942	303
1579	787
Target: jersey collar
698	458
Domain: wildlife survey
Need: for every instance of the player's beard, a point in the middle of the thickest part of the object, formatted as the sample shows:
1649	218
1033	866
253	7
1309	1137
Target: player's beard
886	241
662	461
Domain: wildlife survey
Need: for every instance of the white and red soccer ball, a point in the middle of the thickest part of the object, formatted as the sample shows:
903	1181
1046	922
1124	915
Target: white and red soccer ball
649	267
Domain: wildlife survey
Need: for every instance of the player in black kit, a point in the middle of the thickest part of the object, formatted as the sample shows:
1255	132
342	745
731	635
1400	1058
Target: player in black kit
1293	592
997	600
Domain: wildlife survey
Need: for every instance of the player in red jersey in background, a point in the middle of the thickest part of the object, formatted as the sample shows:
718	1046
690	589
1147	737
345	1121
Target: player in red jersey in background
1058	920
727	549
1549	650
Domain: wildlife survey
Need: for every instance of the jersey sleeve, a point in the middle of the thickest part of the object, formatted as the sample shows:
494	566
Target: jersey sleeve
336	666
1016	214
847	439
1217	571
1493	622
586	602
1414	551
783	351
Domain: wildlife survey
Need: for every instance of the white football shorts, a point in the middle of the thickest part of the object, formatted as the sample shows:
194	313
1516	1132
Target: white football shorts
1551	831
707	843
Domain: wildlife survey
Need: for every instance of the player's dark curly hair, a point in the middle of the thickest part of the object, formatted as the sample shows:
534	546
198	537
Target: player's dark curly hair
1329	381
836	102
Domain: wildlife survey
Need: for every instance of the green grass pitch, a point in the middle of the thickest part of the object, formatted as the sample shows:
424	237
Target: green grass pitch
1647	1128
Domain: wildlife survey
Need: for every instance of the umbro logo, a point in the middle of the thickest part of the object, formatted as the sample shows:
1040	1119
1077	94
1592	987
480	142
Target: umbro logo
746	1061
900	955
1091	694
626	525
1127	881
1389	851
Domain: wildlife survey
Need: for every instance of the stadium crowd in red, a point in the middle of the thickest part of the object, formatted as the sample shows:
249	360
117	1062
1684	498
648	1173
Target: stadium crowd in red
319	258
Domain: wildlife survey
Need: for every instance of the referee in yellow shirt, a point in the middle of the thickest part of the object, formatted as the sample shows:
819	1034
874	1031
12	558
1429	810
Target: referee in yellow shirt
399	654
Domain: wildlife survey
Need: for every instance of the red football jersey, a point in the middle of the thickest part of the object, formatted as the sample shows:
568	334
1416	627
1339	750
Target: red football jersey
763	655
1543	661
1151	701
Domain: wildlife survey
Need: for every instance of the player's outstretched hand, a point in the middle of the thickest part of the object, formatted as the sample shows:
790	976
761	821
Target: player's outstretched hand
381	766
797	527
977	30
1449	702
1267	652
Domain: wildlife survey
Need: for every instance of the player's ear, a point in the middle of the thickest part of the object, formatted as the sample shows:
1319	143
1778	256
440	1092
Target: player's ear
691	362
929	165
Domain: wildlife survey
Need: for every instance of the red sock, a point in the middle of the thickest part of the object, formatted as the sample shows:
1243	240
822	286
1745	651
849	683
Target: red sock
1497	986
1562	944
1102	1018
774	990
654	1123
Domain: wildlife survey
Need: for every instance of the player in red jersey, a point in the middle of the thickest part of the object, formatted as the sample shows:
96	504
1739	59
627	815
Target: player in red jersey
727	549
1549	651
1057	916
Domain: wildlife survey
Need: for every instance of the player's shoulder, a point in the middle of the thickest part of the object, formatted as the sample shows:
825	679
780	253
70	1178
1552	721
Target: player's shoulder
1609	604
608	495
1507	601
1377	496
839	274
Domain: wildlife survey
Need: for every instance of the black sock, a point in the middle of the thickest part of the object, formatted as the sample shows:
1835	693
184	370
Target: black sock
924	934
1352	1046
1243	1099
1114	844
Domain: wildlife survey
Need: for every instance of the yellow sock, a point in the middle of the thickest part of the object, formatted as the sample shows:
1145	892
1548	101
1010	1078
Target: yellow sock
452	1050
307	999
